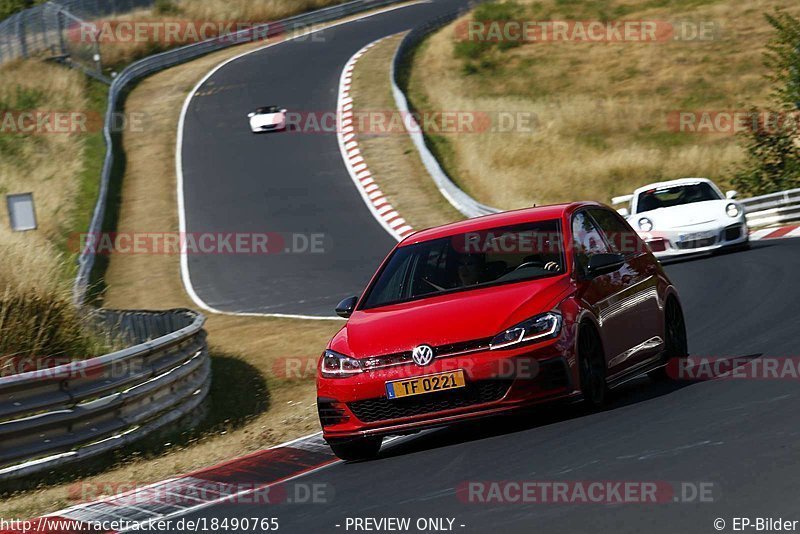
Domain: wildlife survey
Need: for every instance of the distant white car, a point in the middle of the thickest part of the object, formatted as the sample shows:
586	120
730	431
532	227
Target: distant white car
686	216
267	119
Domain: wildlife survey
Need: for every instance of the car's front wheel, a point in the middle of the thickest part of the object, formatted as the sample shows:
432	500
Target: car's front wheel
592	367
356	450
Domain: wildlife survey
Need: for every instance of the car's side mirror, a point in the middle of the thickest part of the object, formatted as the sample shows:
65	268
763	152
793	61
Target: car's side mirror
283	111
604	263
346	307
730	195
251	115
624	212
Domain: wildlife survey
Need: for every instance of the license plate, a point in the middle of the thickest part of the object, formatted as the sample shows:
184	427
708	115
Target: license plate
699	236
425	384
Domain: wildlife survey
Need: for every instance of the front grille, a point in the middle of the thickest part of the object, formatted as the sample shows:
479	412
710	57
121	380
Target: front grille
372	410
697	243
441	351
733	232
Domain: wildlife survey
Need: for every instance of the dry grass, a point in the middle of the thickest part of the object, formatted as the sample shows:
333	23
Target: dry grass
601	109
248	10
392	157
193	13
260	346
48	165
38	324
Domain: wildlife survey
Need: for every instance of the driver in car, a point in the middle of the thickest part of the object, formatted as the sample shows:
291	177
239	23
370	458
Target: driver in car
471	268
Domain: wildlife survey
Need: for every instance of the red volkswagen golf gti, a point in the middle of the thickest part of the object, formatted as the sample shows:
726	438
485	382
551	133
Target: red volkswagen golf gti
492	314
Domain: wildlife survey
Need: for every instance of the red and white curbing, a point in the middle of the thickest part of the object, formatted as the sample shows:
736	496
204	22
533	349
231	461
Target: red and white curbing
258	478
775	233
376	201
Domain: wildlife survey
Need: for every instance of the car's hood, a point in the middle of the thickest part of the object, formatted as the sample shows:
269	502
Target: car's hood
685	215
268	119
453	318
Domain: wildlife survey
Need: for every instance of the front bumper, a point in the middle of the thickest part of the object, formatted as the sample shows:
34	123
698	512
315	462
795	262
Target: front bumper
696	240
269	128
497	382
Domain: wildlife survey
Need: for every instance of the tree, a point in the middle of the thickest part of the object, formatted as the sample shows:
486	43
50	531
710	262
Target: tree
773	142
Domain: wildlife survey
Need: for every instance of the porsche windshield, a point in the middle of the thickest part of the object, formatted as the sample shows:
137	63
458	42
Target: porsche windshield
666	197
467	261
268	110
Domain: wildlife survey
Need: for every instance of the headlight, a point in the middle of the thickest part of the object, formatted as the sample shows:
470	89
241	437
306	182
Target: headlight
544	326
335	365
645	224
732	210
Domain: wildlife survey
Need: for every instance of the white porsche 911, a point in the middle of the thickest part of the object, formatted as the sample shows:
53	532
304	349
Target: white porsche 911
686	216
267	119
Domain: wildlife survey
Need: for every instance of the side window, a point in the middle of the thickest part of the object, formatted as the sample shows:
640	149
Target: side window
587	240
619	235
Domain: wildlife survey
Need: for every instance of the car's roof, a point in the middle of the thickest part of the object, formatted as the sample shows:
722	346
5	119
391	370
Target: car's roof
495	220
672	183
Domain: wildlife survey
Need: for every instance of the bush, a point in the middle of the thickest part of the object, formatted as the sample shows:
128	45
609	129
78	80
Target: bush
497	11
773	150
9	7
38	321
166	7
477	55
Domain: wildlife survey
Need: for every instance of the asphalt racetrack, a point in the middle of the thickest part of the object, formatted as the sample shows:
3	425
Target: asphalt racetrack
739	436
291	183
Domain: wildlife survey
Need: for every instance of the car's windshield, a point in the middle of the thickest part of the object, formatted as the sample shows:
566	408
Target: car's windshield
268	109
467	261
665	197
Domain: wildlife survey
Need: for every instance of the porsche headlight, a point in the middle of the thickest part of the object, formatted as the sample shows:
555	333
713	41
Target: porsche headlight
645	224
732	210
335	365
544	326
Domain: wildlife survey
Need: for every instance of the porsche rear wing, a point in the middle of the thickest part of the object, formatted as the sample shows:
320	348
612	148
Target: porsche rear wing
624	199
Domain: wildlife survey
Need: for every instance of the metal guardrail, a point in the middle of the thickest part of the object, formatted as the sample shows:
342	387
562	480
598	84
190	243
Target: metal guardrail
46	28
55	416
460	200
151	64
775	208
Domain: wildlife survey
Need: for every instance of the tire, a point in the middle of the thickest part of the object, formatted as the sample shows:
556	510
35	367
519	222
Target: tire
592	368
356	450
677	345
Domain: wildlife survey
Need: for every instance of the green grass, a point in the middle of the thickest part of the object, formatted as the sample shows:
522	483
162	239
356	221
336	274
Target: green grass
94	151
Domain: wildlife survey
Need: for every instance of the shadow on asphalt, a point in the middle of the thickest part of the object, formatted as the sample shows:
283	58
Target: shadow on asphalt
754	245
635	391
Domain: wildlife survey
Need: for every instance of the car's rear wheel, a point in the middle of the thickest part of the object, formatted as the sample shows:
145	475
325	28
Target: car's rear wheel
677	343
592	367
356	449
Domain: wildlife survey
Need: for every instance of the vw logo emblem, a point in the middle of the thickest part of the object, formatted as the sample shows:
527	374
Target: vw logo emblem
422	355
